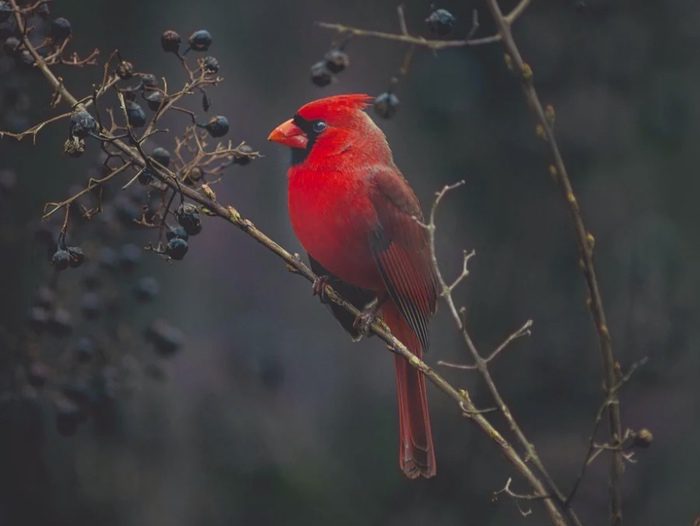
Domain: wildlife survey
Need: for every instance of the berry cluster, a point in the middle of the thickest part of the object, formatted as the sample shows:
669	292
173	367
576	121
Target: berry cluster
334	61
80	337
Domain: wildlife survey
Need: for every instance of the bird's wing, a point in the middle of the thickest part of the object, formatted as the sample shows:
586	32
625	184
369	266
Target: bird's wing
401	249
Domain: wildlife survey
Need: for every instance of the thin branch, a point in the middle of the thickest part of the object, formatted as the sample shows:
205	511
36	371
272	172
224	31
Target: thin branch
545	119
556	500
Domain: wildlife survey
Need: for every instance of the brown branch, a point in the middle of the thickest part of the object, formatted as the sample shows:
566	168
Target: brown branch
584	239
555	501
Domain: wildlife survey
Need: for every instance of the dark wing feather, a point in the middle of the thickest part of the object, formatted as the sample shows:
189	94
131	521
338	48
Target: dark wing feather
401	250
355	295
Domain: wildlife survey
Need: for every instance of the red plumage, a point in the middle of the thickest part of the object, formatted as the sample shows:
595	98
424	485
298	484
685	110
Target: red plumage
354	213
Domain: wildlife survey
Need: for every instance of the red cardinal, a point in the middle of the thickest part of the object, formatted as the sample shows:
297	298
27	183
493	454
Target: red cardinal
354	213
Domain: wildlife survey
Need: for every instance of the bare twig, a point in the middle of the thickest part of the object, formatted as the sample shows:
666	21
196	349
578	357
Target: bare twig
555	500
545	119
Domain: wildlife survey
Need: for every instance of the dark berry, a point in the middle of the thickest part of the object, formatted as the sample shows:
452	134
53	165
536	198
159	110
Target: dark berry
188	217
166	338
125	70
386	105
320	74
82	123
91	305
135	115
200	40
146	289
60	29
24	58
5	11
77	256
176	231
148	80
8	181
243	156
162	156
170	41
37	374
61	323
176	248
146	176
85	349
108	258
154	99
217	126
38	318
68	417
440	22
45	298
336	60
210	64
11	45
60	259
129	257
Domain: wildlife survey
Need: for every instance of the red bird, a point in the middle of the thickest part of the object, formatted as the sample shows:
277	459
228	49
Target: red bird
354	214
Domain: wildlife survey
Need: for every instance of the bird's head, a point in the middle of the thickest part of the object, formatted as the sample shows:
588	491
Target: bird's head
328	125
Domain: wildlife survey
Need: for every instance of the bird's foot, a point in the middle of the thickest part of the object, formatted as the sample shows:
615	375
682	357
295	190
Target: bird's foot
366	318
319	288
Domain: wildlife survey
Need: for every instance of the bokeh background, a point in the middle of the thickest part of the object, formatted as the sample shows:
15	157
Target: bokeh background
269	414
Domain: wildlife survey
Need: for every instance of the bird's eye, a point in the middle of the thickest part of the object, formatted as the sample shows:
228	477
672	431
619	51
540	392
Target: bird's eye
319	126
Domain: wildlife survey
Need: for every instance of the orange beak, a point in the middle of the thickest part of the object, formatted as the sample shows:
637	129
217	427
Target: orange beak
289	134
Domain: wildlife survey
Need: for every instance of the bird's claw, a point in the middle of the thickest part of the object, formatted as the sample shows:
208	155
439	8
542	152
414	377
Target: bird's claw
365	319
319	288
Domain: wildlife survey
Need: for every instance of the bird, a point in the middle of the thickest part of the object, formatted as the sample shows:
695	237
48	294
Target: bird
362	226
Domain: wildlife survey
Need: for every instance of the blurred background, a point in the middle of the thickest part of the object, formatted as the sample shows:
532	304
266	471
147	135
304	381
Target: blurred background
268	414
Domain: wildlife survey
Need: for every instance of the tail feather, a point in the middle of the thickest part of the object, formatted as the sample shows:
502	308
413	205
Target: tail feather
416	450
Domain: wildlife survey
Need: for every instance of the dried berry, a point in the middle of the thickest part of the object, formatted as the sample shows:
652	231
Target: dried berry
45	298
170	41
161	155
37	374
176	248
243	156
218	126
440	22
148	80
135	115
210	64
188	217
91	305
77	256
60	259
11	45
200	40
336	60
166	338
146	289
176	231
85	349
24	58
386	105
129	257
60	29
60	323
125	70
68	417
320	74
82	124
5	11
154	99
8	181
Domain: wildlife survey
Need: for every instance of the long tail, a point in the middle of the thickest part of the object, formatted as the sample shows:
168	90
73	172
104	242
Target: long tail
416	451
